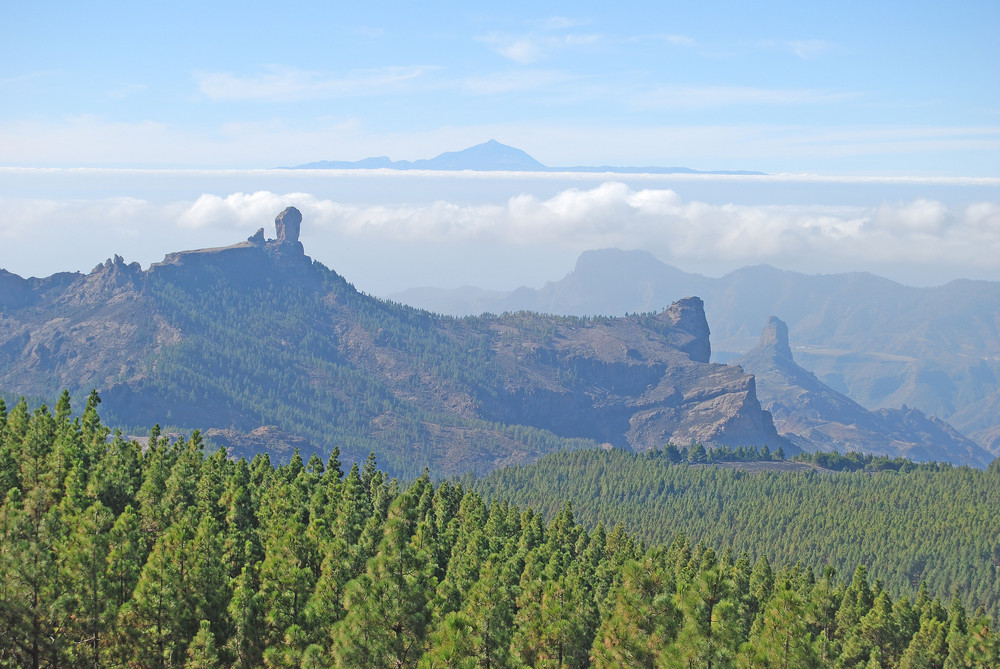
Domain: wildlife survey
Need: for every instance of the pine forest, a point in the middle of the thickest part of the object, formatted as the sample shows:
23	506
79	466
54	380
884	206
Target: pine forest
117	555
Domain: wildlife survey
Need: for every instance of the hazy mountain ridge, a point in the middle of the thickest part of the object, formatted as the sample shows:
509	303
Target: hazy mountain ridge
257	334
818	418
881	343
491	156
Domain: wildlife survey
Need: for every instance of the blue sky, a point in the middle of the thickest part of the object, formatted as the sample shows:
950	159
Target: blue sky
845	88
142	128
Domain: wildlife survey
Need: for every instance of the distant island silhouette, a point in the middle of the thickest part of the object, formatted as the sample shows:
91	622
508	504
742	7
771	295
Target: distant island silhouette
492	156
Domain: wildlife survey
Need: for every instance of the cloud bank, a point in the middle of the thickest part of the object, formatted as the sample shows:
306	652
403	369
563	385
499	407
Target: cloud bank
613	214
929	237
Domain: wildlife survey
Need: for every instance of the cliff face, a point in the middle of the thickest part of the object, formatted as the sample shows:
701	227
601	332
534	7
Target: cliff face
818	418
639	381
256	335
879	342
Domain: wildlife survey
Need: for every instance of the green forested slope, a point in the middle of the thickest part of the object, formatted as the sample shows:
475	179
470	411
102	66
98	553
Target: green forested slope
271	352
256	338
115	556
924	523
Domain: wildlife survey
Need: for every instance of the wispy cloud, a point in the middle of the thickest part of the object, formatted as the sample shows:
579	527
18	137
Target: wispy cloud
277	83
23	77
124	90
516	81
533	47
669	38
560	23
810	48
721	96
370	32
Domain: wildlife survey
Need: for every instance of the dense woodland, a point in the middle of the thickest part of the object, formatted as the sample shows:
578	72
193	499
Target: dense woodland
906	522
112	555
264	355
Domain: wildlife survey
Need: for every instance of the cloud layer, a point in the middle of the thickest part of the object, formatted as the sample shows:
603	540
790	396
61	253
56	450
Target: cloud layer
929	237
613	214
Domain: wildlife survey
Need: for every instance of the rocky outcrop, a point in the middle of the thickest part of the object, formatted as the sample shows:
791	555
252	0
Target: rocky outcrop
774	339
287	225
637	382
818	418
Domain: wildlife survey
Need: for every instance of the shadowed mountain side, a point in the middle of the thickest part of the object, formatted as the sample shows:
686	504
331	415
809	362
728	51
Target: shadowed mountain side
271	349
881	343
818	418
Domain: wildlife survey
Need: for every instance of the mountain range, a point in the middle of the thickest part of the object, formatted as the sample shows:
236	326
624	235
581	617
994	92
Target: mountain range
265	349
491	156
880	343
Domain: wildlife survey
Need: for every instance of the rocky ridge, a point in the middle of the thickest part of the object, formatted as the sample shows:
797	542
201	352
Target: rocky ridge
881	343
817	418
256	339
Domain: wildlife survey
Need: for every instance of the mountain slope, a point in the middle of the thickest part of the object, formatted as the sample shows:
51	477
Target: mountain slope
877	341
256	335
818	418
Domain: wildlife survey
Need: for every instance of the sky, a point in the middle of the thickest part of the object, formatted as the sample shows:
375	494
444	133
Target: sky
142	128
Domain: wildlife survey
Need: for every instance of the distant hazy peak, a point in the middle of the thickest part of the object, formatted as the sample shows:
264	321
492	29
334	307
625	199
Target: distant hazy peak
599	259
774	336
486	157
490	154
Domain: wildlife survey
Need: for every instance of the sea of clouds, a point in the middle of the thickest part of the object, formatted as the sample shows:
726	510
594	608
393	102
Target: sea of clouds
916	240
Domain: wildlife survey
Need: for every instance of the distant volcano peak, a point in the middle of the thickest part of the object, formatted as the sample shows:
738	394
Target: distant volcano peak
490	156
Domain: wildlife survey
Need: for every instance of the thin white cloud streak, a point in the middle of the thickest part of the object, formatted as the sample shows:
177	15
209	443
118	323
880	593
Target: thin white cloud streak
669	38
810	48
531	48
509	175
560	23
500	83
280	84
806	49
23	77
90	140
682	97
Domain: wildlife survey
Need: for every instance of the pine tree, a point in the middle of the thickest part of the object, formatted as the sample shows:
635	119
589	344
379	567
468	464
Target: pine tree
783	639
643	620
157	622
201	654
928	649
452	645
246	644
880	631
387	609
126	555
86	606
708	636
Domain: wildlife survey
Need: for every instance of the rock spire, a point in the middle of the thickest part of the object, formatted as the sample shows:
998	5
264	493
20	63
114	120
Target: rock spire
287	224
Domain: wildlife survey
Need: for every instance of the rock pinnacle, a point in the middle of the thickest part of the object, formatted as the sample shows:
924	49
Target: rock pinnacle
287	224
775	337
